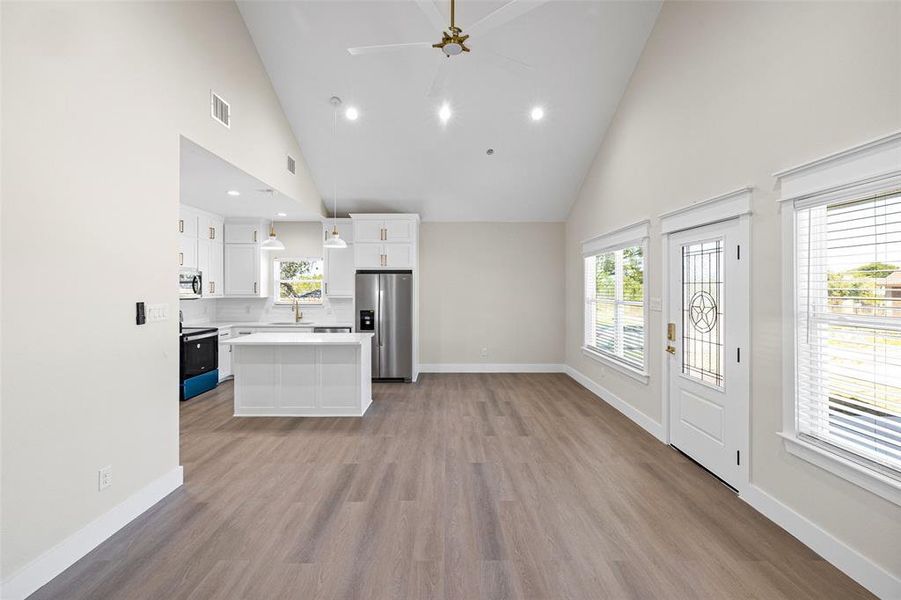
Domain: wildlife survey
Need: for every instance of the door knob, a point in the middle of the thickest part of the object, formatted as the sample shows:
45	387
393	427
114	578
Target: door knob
671	349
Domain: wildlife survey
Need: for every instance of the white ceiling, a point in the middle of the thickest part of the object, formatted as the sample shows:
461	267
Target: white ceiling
205	179
398	156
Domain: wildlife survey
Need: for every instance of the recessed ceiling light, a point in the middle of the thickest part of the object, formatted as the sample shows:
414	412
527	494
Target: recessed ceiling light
351	113
233	193
537	113
444	113
281	214
489	151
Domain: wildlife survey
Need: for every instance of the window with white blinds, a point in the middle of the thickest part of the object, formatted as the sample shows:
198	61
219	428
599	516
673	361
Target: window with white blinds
614	305
848	289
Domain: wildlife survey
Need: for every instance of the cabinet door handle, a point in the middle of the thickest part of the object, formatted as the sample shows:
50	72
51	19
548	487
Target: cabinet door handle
181	226
326	288
254	235
181	259
254	287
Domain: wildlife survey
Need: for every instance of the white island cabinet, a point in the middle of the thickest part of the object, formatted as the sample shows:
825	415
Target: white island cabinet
302	374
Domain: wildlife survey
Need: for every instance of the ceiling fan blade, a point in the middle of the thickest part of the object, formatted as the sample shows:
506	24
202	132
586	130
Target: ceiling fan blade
437	86
509	11
506	62
438	21
387	48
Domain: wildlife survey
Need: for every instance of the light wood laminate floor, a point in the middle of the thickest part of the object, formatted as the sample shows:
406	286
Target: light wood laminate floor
459	487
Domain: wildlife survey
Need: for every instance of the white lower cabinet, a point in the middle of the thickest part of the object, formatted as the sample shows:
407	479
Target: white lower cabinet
225	355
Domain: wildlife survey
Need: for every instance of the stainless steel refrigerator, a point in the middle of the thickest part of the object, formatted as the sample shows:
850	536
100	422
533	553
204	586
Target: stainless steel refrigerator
384	305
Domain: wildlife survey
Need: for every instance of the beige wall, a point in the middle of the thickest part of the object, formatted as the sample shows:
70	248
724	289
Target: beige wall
95	96
491	285
725	94
301	239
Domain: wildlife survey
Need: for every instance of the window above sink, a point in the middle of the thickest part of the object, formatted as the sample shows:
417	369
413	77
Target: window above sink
300	280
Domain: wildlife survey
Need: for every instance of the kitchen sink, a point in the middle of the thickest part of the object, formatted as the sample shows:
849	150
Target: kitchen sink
298	323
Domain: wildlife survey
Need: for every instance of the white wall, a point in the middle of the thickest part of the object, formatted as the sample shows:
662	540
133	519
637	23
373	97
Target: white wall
491	285
725	94
95	96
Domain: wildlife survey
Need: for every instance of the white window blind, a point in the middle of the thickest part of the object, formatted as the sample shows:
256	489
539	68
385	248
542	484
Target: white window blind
614	304
848	388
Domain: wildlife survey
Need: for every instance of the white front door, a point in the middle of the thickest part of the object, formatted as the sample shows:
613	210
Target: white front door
707	341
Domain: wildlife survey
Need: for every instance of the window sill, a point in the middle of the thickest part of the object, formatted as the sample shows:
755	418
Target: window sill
639	376
881	485
307	304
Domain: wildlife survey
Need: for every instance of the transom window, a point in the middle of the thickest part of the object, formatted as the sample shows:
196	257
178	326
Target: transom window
615	304
848	388
299	279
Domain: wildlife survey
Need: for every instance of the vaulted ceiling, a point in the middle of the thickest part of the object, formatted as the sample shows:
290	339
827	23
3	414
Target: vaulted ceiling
573	59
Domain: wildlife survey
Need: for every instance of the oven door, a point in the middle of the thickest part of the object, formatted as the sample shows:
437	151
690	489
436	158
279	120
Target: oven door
199	354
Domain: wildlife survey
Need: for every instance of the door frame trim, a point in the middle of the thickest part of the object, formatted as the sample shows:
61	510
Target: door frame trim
732	205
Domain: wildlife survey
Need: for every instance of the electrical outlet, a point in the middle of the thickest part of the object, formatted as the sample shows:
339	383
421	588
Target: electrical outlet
104	477
485	352
157	312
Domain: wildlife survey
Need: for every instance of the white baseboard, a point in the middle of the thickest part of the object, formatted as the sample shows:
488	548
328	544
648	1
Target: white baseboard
645	422
850	561
60	557
491	368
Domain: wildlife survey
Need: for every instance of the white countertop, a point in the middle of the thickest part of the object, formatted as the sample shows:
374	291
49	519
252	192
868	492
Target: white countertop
258	325
300	339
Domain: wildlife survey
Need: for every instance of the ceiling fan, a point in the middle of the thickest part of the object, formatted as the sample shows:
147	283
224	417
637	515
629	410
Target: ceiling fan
453	40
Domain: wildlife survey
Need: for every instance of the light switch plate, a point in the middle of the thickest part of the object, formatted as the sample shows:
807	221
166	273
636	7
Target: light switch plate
157	312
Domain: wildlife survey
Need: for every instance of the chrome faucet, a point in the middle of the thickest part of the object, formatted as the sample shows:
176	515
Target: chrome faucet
298	314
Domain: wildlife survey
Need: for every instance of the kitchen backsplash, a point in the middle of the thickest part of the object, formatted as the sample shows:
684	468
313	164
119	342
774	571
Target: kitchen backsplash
263	310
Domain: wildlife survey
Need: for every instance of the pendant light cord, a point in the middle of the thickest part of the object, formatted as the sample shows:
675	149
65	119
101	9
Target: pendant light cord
335	169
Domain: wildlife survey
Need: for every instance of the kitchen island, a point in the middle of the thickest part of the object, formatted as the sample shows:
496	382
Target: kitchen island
302	374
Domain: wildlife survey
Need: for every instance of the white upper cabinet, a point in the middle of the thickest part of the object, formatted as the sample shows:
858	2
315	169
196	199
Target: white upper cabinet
211	228
187	252
209	262
339	262
242	270
246	266
385	241
215	282
188	219
398	256
368	256
243	233
398	230
376	229
368	231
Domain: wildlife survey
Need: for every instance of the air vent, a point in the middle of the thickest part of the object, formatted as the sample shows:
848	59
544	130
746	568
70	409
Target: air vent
220	110
292	166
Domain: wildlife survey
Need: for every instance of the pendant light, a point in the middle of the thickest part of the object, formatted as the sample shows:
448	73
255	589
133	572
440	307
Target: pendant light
334	240
273	243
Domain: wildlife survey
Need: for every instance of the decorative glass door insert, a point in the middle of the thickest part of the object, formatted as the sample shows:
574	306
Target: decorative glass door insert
702	311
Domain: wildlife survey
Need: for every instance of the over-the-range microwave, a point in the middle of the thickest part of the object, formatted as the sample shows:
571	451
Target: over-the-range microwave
190	283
